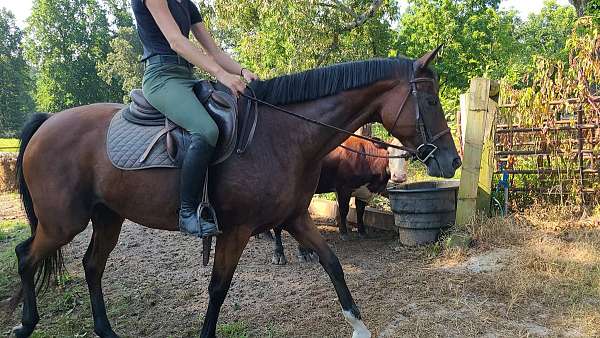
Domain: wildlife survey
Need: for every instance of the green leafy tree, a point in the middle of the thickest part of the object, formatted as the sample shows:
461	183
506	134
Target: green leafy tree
592	8
65	39
580	6
122	66
119	10
15	101
546	33
284	36
478	40
254	33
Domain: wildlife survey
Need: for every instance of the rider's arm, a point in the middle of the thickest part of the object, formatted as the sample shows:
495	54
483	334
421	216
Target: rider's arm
223	59
182	46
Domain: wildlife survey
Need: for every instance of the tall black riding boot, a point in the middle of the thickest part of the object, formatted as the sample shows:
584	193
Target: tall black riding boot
193	172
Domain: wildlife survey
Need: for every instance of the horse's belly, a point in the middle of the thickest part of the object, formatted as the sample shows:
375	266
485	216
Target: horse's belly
148	197
266	200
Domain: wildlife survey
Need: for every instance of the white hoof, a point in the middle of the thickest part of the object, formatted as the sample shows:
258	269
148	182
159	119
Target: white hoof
361	333
360	329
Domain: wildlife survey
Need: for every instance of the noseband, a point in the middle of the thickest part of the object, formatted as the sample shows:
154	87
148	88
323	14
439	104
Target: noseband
426	150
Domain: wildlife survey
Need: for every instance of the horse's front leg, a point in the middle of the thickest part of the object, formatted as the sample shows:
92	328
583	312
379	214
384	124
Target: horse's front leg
229	248
360	217
305	232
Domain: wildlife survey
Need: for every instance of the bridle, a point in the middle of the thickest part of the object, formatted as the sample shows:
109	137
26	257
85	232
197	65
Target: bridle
424	152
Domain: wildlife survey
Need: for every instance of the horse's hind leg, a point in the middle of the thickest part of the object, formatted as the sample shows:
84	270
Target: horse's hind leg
27	271
107	226
42	248
278	253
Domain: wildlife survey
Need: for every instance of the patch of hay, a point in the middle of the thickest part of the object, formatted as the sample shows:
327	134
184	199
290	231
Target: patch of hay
554	264
8	163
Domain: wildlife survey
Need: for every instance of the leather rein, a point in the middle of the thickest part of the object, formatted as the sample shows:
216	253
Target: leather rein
423	153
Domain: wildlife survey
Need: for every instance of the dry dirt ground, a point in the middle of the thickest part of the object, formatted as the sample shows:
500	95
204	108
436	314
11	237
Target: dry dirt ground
155	286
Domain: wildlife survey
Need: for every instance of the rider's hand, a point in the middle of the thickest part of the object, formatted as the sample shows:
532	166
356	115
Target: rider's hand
233	82
248	75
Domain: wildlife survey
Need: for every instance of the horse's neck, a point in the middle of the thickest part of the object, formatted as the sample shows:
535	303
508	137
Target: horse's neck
348	110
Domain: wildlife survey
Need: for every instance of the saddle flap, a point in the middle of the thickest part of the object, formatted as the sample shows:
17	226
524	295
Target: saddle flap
222	107
221	100
225	115
203	90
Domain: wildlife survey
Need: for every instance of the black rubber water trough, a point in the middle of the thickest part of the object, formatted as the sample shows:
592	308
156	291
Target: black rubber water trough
423	209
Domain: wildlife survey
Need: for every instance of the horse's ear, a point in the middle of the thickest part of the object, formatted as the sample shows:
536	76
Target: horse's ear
426	59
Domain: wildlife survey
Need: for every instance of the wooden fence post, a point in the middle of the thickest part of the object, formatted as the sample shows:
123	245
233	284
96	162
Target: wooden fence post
479	113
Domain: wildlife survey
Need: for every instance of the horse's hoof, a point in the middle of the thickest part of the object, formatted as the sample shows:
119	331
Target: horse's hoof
344	237
21	331
307	256
279	259
363	235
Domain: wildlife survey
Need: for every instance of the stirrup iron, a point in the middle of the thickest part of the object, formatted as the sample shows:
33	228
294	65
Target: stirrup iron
206	206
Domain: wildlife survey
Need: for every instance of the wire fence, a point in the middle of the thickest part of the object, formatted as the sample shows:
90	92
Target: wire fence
557	160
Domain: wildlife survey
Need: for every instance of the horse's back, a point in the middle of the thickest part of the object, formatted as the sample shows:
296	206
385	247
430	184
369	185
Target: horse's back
74	123
64	134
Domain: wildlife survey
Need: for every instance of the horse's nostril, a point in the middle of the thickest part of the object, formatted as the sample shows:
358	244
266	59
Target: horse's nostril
456	163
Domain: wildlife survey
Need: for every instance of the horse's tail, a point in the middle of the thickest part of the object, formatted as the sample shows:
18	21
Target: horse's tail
26	134
53	264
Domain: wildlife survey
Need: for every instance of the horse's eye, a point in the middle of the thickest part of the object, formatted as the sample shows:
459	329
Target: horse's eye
432	101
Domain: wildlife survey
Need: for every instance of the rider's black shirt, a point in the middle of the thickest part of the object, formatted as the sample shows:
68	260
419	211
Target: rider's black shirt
185	14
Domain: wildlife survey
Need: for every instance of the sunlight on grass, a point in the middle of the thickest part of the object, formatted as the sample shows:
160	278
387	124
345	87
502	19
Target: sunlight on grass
9	144
10	229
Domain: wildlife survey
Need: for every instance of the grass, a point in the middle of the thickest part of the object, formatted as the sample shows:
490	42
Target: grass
233	330
554	263
66	306
11	233
9	145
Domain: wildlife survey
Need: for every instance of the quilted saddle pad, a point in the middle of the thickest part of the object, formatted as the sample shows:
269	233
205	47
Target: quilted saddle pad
126	143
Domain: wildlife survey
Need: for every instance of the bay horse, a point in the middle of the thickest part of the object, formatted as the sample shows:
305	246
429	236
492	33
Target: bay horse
66	178
356	168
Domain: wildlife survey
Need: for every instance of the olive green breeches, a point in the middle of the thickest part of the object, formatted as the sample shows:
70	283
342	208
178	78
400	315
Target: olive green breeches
169	88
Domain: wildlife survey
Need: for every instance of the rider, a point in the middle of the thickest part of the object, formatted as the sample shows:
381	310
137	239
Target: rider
169	56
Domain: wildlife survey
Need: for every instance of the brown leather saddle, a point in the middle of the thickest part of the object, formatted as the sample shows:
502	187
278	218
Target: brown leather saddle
235	132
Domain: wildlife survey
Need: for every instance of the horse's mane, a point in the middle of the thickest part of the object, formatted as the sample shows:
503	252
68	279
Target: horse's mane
331	80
